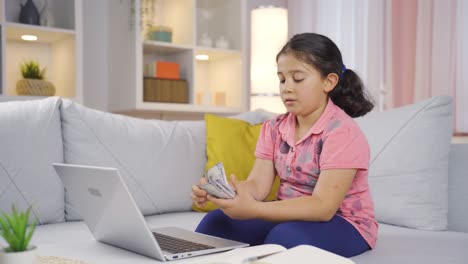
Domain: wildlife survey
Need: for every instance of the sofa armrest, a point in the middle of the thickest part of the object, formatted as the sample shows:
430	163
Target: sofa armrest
458	188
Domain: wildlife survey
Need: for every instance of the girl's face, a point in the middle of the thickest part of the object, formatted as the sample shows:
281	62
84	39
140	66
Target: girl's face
303	89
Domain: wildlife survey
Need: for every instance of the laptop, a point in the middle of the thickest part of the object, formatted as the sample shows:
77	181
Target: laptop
101	197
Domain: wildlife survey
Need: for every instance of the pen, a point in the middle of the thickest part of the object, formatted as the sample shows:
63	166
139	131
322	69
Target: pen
255	258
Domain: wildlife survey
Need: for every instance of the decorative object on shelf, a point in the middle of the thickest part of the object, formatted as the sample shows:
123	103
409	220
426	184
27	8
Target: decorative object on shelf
29	13
269	33
205	40
147	15
160	33
152	24
222	43
220	99
162	70
203	98
206	98
15	231
33	82
46	16
165	90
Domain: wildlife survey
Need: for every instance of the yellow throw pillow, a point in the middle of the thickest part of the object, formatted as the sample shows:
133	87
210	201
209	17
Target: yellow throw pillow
232	142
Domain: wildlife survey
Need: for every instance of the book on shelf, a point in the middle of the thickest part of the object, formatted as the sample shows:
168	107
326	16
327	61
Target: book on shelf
162	70
274	254
165	90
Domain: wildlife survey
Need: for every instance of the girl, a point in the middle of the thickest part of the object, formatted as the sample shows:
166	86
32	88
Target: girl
320	155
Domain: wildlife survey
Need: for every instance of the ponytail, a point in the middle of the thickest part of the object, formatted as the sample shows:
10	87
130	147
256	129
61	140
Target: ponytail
350	96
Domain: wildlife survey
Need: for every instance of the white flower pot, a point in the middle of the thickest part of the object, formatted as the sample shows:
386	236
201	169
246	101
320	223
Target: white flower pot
24	257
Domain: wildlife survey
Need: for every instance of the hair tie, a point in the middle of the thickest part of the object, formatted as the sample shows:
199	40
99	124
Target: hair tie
343	69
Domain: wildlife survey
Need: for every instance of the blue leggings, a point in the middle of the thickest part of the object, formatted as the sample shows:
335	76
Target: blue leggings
337	235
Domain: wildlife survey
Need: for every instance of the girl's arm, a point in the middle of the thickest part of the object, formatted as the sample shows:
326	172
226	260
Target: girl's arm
322	205
260	179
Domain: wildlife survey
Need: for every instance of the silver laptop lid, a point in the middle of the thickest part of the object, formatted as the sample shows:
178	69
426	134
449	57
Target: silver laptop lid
103	200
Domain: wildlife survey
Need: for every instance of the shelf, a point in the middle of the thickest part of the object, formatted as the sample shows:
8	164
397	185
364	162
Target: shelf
58	48
58	13
150	46
14	31
217	85
173	107
216	53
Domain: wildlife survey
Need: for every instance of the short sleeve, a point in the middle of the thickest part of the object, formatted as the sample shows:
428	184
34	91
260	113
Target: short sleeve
265	143
345	148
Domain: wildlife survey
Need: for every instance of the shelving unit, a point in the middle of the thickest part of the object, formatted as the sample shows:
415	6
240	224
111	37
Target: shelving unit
58	47
217	85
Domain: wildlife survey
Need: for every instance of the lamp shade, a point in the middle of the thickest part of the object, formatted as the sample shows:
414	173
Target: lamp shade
269	33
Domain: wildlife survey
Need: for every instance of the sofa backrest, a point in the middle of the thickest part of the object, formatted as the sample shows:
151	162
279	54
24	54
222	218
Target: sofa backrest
30	141
162	159
458	188
159	160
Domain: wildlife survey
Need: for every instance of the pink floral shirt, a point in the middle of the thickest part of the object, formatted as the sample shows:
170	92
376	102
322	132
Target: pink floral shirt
335	141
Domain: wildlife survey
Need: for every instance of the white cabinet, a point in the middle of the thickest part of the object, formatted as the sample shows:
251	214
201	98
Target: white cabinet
58	47
216	85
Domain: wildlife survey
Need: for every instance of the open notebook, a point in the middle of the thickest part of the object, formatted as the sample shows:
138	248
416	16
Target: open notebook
275	254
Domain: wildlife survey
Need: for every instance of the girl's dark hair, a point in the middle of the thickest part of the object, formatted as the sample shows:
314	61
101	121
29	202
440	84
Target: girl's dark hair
320	52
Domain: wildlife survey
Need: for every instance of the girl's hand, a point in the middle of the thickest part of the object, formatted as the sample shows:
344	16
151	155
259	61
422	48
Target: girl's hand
199	195
243	206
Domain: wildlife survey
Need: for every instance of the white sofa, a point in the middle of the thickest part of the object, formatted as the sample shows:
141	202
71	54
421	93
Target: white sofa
418	179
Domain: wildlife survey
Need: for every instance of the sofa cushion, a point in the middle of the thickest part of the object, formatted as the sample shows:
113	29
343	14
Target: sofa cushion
159	160
404	245
78	231
31	140
232	142
408	173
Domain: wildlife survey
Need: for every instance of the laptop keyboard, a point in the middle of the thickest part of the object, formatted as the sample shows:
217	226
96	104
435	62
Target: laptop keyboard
176	245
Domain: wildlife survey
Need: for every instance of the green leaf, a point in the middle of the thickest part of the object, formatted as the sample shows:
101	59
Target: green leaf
6	229
23	223
3	224
31	70
12	222
32	227
15	231
24	243
15	212
14	243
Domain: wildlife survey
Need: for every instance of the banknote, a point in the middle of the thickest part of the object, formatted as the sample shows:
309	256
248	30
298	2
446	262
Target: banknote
217	184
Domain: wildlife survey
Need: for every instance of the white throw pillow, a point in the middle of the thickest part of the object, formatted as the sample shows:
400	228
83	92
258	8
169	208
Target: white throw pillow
30	141
408	173
159	160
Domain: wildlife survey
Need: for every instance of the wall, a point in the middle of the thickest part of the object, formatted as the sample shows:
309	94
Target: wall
297	11
95	59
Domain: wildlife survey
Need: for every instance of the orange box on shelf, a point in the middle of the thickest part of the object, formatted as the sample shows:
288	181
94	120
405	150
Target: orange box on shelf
166	70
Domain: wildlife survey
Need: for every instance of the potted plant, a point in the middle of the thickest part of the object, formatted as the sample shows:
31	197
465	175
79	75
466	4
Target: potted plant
17	234
33	82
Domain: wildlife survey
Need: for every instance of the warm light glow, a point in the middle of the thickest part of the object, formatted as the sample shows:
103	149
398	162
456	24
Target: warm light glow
269	103
29	37
269	33
202	57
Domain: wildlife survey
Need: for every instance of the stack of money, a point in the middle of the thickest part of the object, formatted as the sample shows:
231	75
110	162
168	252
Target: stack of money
217	184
